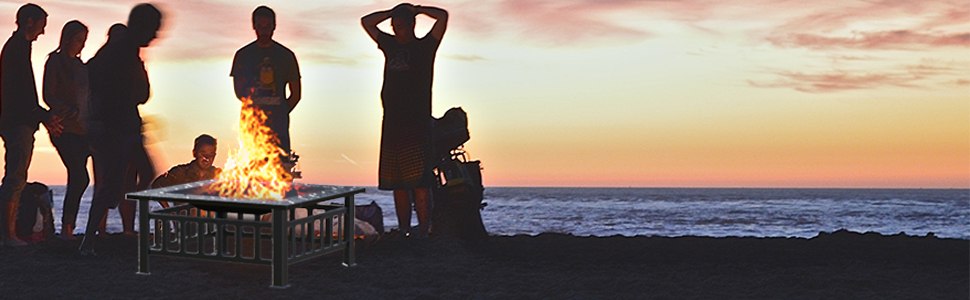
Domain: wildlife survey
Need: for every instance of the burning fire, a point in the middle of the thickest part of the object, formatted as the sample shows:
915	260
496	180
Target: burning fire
255	170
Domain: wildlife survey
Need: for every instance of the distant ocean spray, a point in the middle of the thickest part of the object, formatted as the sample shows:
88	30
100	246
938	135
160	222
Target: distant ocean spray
715	212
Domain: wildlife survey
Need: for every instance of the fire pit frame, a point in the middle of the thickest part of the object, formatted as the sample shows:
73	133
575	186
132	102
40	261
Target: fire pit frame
293	239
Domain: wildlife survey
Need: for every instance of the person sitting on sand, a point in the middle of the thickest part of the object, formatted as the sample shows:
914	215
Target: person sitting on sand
198	169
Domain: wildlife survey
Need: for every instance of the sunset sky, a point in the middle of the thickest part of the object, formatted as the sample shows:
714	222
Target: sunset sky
725	93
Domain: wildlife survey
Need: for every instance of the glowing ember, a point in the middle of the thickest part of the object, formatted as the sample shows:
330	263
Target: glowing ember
255	170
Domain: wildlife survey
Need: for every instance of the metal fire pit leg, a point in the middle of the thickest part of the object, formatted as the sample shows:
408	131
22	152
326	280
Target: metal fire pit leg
143	240
280	251
349	260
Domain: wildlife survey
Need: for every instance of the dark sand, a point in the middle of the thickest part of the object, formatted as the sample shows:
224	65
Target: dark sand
843	265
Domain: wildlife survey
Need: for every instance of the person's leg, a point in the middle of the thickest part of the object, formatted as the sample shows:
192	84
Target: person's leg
402	205
126	208
97	182
141	172
111	156
74	152
422	205
18	144
103	228
144	167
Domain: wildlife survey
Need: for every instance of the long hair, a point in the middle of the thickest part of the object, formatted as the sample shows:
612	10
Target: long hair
70	30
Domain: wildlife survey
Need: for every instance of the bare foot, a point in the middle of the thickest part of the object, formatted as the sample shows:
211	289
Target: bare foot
67	233
14	242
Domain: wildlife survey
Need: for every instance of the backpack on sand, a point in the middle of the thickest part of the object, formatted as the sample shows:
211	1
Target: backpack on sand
35	216
458	199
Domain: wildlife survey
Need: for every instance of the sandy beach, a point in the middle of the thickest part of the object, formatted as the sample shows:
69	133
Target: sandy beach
840	265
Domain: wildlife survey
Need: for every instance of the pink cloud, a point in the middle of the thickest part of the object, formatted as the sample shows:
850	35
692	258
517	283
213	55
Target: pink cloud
836	81
906	25
841	29
569	23
197	30
468	58
550	23
899	39
958	15
812	25
911	76
217	29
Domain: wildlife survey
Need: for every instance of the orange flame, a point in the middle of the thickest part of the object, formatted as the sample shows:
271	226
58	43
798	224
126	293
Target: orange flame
255	170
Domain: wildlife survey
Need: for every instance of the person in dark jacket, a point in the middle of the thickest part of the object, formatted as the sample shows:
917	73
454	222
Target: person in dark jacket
20	115
119	84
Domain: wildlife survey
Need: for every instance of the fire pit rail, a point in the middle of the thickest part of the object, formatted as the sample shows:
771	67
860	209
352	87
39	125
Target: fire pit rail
296	228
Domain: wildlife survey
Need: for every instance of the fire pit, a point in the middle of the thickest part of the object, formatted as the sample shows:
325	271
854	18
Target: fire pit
218	228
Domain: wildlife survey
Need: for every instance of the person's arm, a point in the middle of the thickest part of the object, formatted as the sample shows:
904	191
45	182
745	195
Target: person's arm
141	89
53	125
370	22
160	182
58	108
239	86
238	81
439	15
296	93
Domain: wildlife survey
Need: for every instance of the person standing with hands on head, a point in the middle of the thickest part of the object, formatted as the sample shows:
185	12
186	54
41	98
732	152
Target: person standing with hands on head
66	93
119	84
262	70
20	114
406	132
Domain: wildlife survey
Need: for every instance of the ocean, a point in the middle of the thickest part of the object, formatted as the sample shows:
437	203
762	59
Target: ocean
713	212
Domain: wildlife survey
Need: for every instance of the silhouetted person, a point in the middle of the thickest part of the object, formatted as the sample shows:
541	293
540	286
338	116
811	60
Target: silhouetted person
20	114
119	84
200	168
406	150
66	93
261	72
115	32
126	208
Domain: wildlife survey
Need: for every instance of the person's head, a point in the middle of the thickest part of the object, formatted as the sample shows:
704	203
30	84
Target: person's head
31	19
116	32
204	150
73	36
264	23
144	21
402	20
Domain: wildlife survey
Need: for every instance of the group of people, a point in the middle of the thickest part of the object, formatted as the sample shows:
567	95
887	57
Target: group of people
94	111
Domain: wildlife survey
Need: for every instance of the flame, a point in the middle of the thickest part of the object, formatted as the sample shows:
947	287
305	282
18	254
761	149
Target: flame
255	170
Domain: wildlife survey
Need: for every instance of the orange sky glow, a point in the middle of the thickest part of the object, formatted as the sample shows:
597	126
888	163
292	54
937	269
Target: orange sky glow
763	93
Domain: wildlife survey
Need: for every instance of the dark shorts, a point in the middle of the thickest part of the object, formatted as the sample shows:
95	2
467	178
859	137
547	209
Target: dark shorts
406	155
